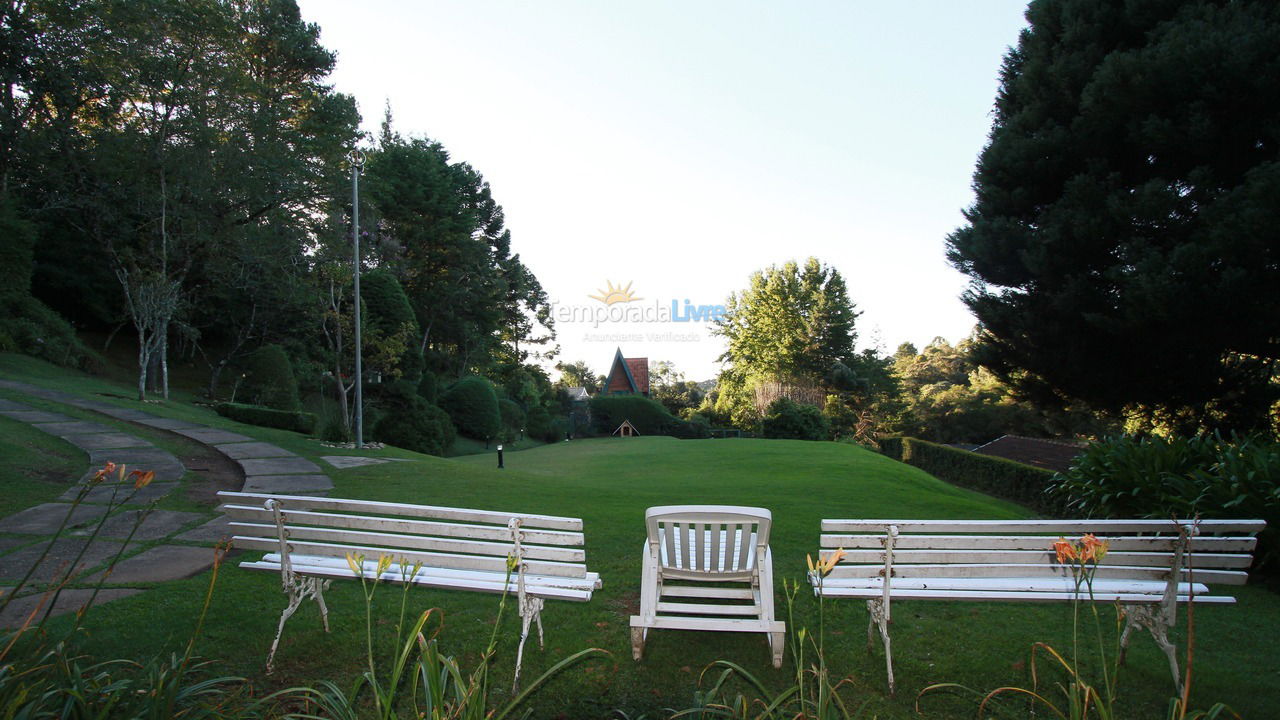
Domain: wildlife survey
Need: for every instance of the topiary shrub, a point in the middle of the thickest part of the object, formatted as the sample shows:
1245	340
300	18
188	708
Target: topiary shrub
302	422
513	419
791	420
419	426
472	404
269	380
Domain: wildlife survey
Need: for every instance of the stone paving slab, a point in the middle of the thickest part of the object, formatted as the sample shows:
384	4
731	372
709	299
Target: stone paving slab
343	462
210	436
9	543
241	451
98	441
168	424
68	601
210	532
37	416
157	524
45	519
120	413
11	406
104	493
278	466
63	551
73	427
160	564
288	484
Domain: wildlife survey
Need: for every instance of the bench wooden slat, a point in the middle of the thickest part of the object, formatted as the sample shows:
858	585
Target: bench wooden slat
667	622
1048	527
434	559
1161	573
308	502
410	542
259	514
1032	542
707	592
1151	588
707	609
588	581
1006	557
481	582
875	593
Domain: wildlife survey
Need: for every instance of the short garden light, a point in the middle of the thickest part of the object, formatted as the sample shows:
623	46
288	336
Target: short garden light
500	465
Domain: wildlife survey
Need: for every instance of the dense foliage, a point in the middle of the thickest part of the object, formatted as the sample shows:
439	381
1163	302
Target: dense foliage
1123	247
791	420
472	403
1206	475
784	333
648	416
995	476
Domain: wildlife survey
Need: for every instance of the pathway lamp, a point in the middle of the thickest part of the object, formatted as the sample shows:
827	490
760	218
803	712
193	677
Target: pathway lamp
500	465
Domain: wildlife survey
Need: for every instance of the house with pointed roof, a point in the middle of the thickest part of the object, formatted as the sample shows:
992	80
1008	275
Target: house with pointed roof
627	376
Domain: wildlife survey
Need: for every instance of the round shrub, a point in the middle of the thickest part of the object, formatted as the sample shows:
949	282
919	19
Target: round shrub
268	380
429	387
419	426
791	420
472	403
513	418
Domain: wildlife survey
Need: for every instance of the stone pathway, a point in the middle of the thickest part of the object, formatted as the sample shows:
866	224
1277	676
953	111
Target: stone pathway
267	468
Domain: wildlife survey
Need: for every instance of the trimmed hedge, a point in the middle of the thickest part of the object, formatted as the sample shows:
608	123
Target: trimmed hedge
513	419
420	427
301	422
648	416
1023	484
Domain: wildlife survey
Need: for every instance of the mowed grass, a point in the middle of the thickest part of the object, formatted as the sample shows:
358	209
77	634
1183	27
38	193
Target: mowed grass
609	483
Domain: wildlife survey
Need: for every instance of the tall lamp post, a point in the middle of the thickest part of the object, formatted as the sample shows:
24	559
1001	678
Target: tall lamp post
357	164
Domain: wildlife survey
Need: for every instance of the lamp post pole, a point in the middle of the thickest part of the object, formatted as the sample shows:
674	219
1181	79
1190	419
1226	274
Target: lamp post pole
357	164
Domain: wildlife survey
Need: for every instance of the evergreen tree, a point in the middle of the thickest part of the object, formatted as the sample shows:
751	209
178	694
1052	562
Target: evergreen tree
1124	247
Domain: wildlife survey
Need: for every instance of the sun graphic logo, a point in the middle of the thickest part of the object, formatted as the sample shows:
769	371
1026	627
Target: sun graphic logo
611	294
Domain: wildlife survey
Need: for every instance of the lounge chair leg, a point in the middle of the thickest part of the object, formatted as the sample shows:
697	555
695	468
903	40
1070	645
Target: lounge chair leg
294	602
324	609
1152	618
637	642
777	643
875	608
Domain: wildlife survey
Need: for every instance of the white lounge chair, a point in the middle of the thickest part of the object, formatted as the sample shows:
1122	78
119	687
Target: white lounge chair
689	546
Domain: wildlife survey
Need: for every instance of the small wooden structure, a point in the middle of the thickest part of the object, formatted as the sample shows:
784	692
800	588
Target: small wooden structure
1151	566
312	540
626	429
707	567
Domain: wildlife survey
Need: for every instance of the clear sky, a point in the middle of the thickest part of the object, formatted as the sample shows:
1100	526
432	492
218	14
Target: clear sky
680	146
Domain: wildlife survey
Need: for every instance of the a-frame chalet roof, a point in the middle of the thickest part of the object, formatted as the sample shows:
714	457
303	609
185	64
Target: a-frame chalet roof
627	375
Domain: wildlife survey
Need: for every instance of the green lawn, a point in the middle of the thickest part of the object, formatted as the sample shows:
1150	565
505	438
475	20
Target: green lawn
609	483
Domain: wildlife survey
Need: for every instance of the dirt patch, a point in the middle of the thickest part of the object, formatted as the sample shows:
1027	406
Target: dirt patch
214	471
627	605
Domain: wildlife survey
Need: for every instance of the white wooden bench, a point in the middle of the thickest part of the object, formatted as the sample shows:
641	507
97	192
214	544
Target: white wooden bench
1150	566
308	541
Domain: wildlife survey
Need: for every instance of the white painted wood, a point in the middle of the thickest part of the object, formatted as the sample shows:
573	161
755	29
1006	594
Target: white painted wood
308	541
1047	527
308	502
1150	563
688	546
900	570
1010	557
1034	542
258	514
338	536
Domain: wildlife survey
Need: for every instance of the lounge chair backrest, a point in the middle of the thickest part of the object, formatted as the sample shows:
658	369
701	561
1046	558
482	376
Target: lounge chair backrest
711	539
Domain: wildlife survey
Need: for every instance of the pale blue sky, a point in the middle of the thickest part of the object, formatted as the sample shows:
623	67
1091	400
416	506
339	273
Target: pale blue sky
681	146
